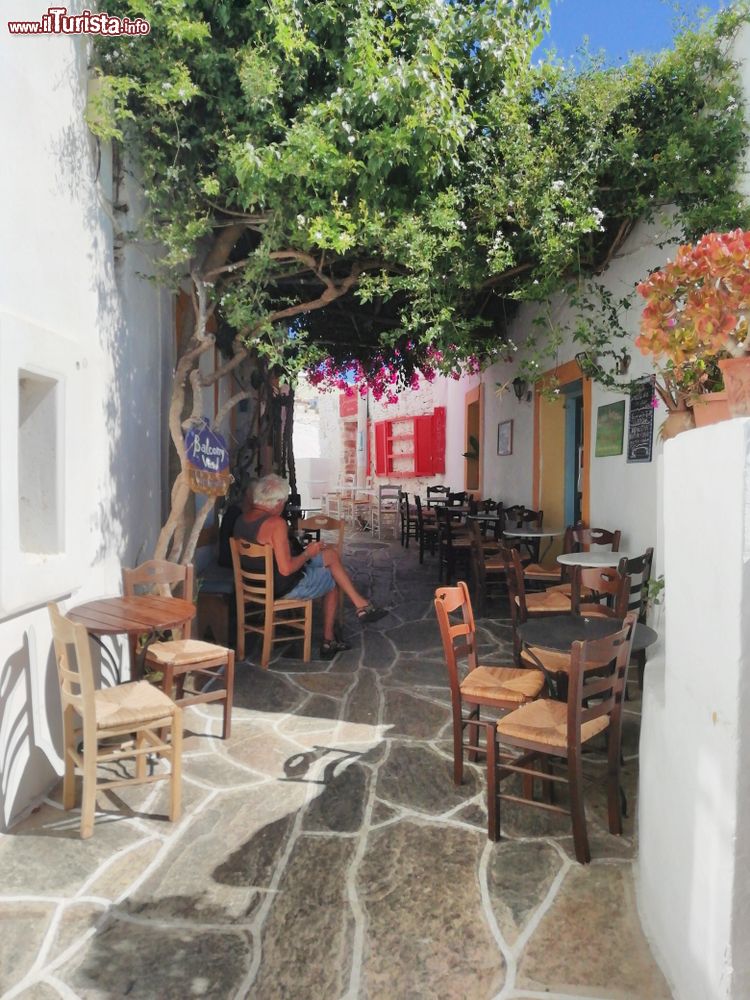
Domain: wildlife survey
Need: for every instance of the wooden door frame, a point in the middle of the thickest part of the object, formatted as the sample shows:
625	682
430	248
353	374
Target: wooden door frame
564	374
475	396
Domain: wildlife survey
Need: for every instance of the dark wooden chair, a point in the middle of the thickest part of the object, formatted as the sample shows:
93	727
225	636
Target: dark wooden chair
454	543
524	517
599	592
496	687
491	507
457	499
487	566
524	606
427	528
437	495
549	576
548	732
639	570
579	537
409	522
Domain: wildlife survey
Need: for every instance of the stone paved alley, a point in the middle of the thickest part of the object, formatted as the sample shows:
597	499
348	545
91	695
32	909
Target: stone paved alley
324	851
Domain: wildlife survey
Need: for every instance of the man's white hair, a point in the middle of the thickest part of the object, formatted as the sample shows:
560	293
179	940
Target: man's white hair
270	490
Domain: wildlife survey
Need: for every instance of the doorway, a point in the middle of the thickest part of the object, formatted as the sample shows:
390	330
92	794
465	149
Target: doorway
561	451
473	439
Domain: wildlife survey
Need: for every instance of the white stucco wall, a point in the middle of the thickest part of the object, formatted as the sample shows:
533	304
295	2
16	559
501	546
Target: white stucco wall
70	314
694	803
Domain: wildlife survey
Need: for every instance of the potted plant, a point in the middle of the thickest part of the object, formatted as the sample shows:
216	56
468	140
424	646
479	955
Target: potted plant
695	323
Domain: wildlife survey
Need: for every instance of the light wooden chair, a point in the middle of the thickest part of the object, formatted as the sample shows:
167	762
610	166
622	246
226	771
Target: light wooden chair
496	687
385	509
180	656
90	716
257	609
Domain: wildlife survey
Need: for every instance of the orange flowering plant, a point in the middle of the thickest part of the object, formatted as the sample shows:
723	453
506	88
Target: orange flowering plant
696	312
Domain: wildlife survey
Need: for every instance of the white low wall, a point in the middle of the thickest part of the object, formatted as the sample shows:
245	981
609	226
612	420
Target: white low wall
694	806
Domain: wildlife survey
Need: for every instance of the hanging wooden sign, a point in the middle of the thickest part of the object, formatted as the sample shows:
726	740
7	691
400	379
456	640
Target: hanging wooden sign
208	461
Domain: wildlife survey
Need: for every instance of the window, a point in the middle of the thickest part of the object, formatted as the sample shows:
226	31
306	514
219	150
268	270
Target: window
39	523
411	446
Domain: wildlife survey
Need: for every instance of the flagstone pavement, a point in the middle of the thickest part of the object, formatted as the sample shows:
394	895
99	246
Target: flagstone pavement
324	851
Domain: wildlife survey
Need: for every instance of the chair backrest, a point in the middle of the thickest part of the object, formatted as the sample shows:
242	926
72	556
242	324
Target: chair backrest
437	495
594	690
639	570
605	582
459	638
516	587
457	499
158	576
388	495
252	585
74	667
523	517
320	522
582	535
489	506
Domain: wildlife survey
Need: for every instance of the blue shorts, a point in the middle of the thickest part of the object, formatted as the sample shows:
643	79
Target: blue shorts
316	582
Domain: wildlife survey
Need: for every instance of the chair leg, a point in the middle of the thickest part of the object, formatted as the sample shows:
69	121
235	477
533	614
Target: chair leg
578	816
473	732
615	795
268	629
69	777
175	784
88	798
307	651
240	644
140	760
493	805
458	745
228	697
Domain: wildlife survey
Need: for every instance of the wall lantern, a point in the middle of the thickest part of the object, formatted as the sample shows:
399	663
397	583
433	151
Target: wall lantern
521	389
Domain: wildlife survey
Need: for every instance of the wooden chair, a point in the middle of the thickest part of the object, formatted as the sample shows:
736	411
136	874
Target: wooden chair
524	517
384	508
495	687
437	495
549	731
427	528
590	586
409	522
454	543
257	609
639	570
524	606
535	572
181	656
577	538
91	716
487	565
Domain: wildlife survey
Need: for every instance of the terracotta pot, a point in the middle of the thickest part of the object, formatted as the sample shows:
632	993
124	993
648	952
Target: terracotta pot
711	408
677	421
736	372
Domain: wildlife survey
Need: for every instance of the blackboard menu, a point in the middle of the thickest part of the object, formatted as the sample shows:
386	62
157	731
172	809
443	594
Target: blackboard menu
641	421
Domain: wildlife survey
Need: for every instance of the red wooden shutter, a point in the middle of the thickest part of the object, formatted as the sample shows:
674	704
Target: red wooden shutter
423	446
438	439
381	445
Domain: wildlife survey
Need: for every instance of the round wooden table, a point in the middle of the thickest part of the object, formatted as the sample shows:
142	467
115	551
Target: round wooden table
132	616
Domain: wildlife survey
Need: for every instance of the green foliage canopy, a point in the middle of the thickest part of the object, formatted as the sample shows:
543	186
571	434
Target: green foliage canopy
393	175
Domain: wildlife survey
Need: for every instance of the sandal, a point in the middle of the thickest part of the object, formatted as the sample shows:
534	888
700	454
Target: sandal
369	613
329	648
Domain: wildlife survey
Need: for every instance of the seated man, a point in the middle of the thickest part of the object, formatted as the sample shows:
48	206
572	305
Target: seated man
316	572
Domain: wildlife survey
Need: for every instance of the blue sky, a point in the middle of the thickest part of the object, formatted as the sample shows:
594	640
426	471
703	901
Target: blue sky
618	26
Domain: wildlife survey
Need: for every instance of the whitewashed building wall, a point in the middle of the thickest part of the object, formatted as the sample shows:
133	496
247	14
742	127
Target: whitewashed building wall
84	358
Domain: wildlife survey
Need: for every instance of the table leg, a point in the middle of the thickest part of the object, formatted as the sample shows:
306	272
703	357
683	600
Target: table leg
109	656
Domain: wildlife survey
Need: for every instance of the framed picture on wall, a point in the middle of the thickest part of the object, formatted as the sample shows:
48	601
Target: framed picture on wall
610	424
505	437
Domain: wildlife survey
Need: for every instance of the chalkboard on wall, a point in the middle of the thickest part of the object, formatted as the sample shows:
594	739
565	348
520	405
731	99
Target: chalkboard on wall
641	421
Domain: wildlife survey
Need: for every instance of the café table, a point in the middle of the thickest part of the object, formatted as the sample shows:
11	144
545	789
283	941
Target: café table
131	616
601	559
535	533
559	632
